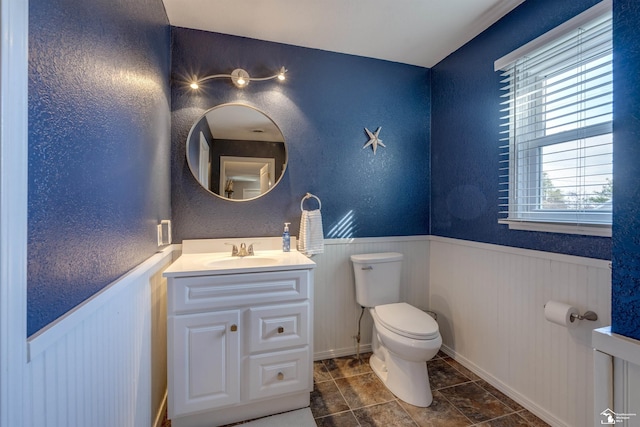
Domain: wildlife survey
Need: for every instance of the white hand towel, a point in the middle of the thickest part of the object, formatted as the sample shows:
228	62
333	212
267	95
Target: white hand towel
311	239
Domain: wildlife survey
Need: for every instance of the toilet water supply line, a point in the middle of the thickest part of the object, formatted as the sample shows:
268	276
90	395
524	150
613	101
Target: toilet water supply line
358	336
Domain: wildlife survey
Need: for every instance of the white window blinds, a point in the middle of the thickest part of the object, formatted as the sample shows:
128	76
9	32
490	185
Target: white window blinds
556	134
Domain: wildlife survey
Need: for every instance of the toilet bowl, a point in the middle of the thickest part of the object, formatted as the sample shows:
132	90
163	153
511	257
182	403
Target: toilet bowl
401	350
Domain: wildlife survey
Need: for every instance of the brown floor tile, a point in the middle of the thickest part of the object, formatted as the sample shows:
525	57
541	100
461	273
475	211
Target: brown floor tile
532	419
320	372
363	390
464	371
442	374
343	419
348	394
384	415
326	399
440	413
341	367
513	420
474	402
500	395
441	355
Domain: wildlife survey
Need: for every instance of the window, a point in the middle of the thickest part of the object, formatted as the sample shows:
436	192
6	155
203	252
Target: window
556	150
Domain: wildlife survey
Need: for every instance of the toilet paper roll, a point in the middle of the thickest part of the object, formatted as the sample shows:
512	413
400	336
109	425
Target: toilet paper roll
560	314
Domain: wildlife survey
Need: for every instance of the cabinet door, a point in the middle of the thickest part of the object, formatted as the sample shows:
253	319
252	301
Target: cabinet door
205	370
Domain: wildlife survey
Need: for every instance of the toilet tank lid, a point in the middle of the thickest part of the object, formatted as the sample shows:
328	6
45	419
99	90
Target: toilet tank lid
377	257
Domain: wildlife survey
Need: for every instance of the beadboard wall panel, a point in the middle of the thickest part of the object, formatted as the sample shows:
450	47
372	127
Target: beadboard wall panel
489	300
105	364
626	393
108	367
336	309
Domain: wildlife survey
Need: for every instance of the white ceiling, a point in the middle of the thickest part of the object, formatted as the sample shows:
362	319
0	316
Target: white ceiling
416	32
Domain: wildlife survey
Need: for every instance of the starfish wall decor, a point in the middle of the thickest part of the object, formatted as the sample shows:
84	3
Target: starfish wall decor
374	141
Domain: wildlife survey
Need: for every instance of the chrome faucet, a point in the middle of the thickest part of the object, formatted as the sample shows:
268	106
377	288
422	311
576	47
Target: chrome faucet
243	251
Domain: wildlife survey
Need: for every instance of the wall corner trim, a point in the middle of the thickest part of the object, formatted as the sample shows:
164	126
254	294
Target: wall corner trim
14	30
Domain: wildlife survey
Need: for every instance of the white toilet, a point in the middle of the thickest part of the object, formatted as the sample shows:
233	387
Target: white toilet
404	337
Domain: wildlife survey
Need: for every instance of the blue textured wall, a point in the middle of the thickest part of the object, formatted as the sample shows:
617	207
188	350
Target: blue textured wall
322	109
99	153
626	169
464	138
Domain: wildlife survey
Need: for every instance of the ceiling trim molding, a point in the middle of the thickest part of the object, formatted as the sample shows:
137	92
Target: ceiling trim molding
494	14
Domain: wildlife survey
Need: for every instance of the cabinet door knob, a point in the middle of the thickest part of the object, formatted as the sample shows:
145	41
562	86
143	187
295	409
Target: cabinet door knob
280	329
234	328
280	376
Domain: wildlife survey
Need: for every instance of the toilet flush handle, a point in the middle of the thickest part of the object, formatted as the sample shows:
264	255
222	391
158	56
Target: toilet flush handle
369	267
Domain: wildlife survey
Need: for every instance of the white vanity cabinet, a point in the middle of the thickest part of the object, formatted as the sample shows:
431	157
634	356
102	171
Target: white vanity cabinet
239	343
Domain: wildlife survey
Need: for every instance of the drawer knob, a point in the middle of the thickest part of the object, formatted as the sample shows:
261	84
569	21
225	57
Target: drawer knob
280	376
280	329
234	328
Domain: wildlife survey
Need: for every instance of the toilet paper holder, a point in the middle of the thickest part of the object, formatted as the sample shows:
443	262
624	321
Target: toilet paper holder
589	315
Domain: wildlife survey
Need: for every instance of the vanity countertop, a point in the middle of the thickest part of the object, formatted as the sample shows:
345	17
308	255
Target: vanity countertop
218	263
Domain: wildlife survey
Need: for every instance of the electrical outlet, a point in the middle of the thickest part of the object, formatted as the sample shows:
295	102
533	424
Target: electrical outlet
164	232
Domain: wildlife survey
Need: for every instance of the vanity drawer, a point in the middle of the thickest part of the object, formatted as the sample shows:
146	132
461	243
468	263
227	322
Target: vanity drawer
278	326
279	373
198	293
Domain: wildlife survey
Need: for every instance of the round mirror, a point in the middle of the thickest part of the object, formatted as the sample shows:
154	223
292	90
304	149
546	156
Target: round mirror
236	152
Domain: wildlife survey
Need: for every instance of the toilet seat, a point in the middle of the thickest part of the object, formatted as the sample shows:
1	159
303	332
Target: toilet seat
407	321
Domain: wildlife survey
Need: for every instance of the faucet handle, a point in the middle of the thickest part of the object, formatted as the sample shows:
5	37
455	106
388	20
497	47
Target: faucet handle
250	249
234	249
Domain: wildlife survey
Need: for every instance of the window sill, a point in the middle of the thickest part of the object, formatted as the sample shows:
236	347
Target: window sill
547	227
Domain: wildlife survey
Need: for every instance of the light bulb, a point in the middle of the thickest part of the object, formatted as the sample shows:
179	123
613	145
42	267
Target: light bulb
281	74
194	85
241	81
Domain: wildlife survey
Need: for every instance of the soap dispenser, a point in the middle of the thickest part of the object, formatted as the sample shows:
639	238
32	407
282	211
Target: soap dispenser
286	239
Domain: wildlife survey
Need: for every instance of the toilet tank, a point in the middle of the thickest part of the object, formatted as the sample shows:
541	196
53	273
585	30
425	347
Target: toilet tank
377	278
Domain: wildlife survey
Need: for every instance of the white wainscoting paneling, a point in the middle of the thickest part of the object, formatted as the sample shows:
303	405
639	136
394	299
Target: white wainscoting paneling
618	387
626	393
104	363
336	309
489	300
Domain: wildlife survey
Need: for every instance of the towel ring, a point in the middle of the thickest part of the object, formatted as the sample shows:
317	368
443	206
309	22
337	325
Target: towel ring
308	196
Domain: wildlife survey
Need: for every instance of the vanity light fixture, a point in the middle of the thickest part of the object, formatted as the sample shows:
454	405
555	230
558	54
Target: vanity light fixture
240	78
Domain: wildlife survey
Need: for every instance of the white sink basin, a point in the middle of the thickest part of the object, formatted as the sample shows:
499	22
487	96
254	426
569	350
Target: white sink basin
243	262
201	258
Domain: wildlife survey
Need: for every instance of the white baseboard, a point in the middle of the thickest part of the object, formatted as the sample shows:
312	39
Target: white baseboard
341	352
519	398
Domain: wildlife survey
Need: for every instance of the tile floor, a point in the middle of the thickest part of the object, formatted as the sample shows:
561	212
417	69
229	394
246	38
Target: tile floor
348	394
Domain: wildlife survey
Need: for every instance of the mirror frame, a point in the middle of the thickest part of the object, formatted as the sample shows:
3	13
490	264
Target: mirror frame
192	135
